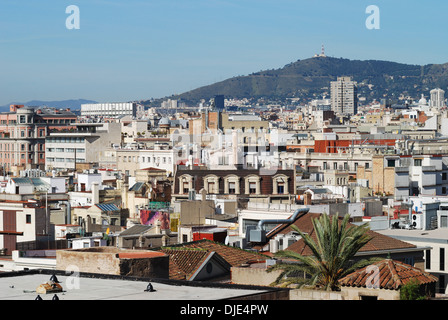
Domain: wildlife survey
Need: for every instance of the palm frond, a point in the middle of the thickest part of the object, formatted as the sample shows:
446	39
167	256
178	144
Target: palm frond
333	251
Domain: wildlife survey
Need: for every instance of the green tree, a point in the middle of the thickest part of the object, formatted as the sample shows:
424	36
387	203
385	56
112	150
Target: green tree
411	291
333	250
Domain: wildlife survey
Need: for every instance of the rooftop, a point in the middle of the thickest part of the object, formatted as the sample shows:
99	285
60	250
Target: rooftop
437	235
22	286
379	242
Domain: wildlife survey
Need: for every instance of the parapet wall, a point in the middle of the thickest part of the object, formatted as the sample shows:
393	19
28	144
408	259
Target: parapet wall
113	261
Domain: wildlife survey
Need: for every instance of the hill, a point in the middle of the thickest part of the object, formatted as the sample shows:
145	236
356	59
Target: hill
311	78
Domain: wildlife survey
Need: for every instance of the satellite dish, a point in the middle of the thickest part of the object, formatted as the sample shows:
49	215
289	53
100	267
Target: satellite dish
226	241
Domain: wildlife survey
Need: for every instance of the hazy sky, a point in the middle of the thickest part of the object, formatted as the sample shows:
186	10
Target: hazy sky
136	49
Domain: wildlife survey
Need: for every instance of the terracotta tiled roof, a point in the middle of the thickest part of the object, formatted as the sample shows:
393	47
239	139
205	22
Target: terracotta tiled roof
392	275
379	241
184	262
234	256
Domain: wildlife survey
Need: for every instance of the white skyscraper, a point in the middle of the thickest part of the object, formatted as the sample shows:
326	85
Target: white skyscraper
437	98
344	97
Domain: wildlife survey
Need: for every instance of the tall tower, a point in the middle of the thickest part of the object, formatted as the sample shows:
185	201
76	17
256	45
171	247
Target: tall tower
437	98
344	96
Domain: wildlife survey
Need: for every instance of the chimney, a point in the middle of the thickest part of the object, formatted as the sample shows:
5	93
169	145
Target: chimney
158	227
307	199
95	193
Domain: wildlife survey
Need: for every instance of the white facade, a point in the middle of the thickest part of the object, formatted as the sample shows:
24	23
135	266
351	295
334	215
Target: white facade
88	243
56	184
421	175
29	221
112	109
85	181
84	144
131	160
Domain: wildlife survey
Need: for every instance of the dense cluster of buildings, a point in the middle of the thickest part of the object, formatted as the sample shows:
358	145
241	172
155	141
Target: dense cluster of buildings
118	176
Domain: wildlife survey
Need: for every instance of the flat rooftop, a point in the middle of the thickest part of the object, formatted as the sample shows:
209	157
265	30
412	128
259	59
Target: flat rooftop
22	286
437	235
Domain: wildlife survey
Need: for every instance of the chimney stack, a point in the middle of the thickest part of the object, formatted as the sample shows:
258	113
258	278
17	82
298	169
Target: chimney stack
95	193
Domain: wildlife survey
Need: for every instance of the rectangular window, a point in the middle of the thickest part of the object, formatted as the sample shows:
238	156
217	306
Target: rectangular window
427	259
252	187
28	218
390	163
442	259
281	188
443	221
186	188
211	187
417	162
232	187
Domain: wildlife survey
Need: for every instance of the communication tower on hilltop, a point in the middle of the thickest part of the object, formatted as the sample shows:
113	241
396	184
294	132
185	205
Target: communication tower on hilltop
322	53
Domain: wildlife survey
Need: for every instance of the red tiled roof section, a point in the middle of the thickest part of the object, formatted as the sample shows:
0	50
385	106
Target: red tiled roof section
392	275
379	241
234	256
184	262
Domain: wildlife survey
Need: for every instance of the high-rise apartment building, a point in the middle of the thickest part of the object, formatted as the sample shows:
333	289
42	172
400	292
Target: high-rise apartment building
437	98
219	103
344	99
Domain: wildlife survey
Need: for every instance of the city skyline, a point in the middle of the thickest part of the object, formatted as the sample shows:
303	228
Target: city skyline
150	49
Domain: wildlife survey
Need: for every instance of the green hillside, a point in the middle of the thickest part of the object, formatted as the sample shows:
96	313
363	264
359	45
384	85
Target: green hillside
310	77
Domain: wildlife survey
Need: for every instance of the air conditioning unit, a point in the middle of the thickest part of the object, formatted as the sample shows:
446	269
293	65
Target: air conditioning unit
417	221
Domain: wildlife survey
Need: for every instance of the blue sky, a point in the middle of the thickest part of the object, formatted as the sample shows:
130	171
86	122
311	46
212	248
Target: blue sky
136	49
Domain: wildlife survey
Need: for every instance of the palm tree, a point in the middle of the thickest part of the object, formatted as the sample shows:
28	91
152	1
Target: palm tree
333	251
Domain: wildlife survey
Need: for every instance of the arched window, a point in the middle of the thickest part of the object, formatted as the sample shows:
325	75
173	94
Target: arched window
252	184
232	184
280	184
211	184
185	184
